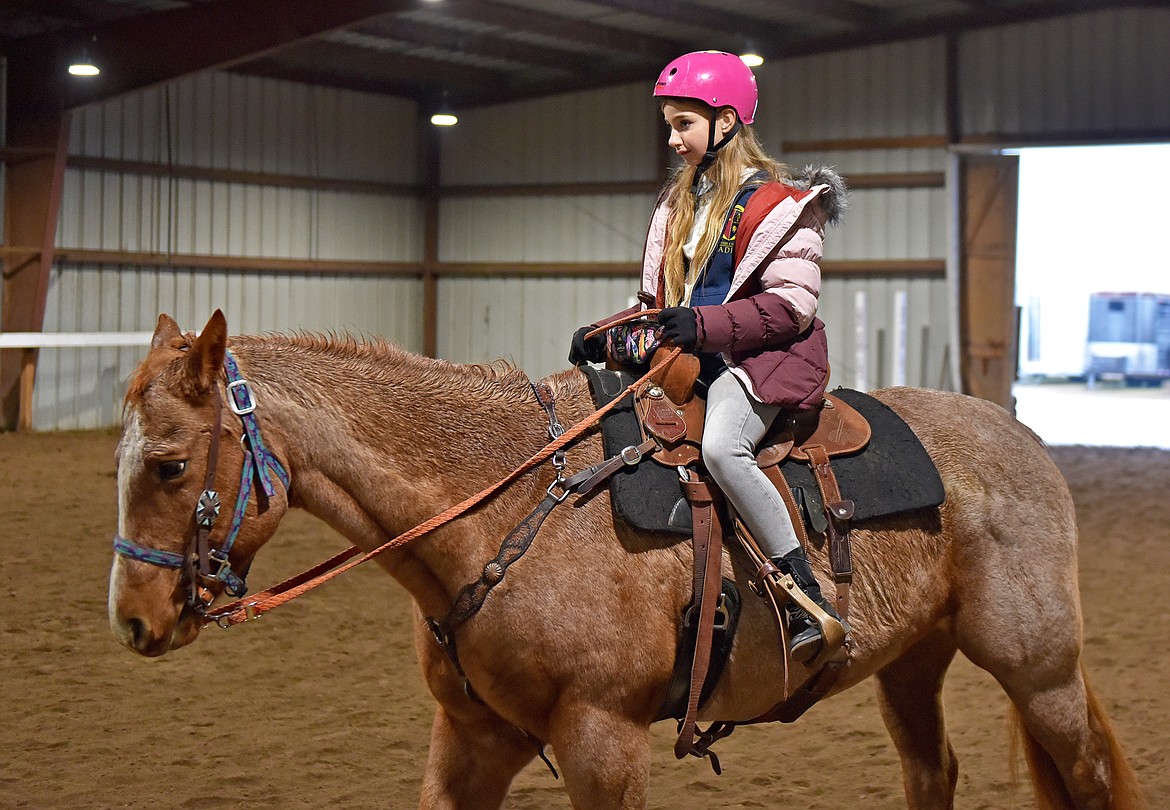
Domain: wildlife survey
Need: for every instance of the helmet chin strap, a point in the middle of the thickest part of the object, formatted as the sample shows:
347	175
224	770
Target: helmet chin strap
712	148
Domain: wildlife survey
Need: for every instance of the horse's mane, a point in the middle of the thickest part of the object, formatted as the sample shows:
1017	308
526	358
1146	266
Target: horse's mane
341	354
378	358
331	356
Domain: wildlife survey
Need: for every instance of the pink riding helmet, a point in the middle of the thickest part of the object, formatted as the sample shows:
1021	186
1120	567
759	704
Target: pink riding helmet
715	77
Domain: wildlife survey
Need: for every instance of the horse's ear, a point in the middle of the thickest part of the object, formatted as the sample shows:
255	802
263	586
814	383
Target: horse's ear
205	357
164	332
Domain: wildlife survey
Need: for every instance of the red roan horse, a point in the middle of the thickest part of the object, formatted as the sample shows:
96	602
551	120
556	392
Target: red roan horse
576	645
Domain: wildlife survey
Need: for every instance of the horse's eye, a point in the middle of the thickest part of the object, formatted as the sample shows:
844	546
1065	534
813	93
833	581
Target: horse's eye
170	470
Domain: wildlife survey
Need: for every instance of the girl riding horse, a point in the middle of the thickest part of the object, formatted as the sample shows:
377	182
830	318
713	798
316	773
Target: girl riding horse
732	255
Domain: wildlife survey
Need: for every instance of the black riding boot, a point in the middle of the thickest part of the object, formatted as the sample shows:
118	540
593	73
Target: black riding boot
806	633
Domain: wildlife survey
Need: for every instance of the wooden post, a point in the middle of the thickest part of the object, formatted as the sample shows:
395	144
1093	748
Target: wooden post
987	322
38	131
28	375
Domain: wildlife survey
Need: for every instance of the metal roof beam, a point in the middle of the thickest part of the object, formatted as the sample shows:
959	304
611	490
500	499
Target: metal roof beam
490	46
858	15
321	61
588	35
198	37
504	93
76	12
955	24
705	17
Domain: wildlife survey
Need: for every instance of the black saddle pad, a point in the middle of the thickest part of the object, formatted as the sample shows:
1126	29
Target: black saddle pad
892	475
647	496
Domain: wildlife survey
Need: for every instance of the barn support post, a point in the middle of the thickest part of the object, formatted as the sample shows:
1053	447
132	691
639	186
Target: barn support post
36	146
430	158
987	279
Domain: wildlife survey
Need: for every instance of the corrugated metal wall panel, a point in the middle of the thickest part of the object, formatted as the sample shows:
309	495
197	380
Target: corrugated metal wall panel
248	123
886	331
225	121
528	321
114	211
882	224
1097	71
1102	71
895	89
82	388
898	223
582	137
361	226
586	228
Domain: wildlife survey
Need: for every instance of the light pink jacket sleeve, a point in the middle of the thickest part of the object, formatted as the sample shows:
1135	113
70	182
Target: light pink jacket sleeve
792	270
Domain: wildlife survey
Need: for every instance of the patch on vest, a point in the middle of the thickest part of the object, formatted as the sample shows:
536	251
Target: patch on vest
730	228
892	475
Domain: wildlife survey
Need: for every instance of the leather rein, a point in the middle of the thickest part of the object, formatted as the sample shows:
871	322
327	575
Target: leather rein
203	564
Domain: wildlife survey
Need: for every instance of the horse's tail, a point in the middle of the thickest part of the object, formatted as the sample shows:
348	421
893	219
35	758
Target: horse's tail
1051	793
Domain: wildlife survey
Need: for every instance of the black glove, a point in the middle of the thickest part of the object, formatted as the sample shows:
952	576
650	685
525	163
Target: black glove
679	326
587	351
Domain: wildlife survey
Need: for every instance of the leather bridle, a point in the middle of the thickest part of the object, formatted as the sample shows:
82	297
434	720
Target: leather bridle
202	563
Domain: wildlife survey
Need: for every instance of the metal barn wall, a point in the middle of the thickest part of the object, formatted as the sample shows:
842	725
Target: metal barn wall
579	137
883	329
1086	73
527	320
596	136
886	90
245	124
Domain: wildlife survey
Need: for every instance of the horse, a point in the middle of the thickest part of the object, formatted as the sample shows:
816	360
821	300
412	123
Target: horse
575	646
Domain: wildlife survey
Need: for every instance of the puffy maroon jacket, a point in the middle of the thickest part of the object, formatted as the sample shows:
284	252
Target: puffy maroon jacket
767	327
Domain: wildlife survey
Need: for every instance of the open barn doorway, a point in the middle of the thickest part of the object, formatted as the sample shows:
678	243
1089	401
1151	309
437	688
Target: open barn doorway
1093	294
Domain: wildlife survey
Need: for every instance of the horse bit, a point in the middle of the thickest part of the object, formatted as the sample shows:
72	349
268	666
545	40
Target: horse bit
202	563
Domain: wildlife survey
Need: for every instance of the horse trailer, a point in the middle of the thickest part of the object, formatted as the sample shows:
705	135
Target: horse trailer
1129	338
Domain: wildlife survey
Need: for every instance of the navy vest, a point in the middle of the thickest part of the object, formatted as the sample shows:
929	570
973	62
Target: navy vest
715	280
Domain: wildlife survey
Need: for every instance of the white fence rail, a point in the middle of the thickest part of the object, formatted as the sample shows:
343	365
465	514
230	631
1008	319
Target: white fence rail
72	340
27	342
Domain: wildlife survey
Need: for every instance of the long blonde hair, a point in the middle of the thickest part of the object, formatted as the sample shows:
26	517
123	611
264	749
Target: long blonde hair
742	153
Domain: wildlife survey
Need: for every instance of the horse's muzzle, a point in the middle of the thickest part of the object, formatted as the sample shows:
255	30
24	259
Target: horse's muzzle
154	639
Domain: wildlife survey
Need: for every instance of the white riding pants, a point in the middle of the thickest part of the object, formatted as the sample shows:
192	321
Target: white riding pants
734	425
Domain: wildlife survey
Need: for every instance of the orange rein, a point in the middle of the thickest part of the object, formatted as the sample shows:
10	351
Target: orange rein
241	610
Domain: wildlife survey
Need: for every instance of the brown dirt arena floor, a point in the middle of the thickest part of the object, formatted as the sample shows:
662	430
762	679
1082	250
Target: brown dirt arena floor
321	704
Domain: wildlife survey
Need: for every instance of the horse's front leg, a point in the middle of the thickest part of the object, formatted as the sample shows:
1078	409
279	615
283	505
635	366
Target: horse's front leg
604	756
472	760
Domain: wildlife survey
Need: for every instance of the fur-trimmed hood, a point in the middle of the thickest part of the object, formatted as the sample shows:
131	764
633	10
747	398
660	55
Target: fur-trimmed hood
835	199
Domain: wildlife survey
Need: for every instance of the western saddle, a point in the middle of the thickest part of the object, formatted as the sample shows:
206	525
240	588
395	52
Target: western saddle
671	418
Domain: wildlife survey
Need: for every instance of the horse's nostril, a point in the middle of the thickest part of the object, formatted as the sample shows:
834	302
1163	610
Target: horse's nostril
137	633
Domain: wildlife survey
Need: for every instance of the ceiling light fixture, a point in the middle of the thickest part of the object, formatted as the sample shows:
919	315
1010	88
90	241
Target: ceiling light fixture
444	117
752	59
83	65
